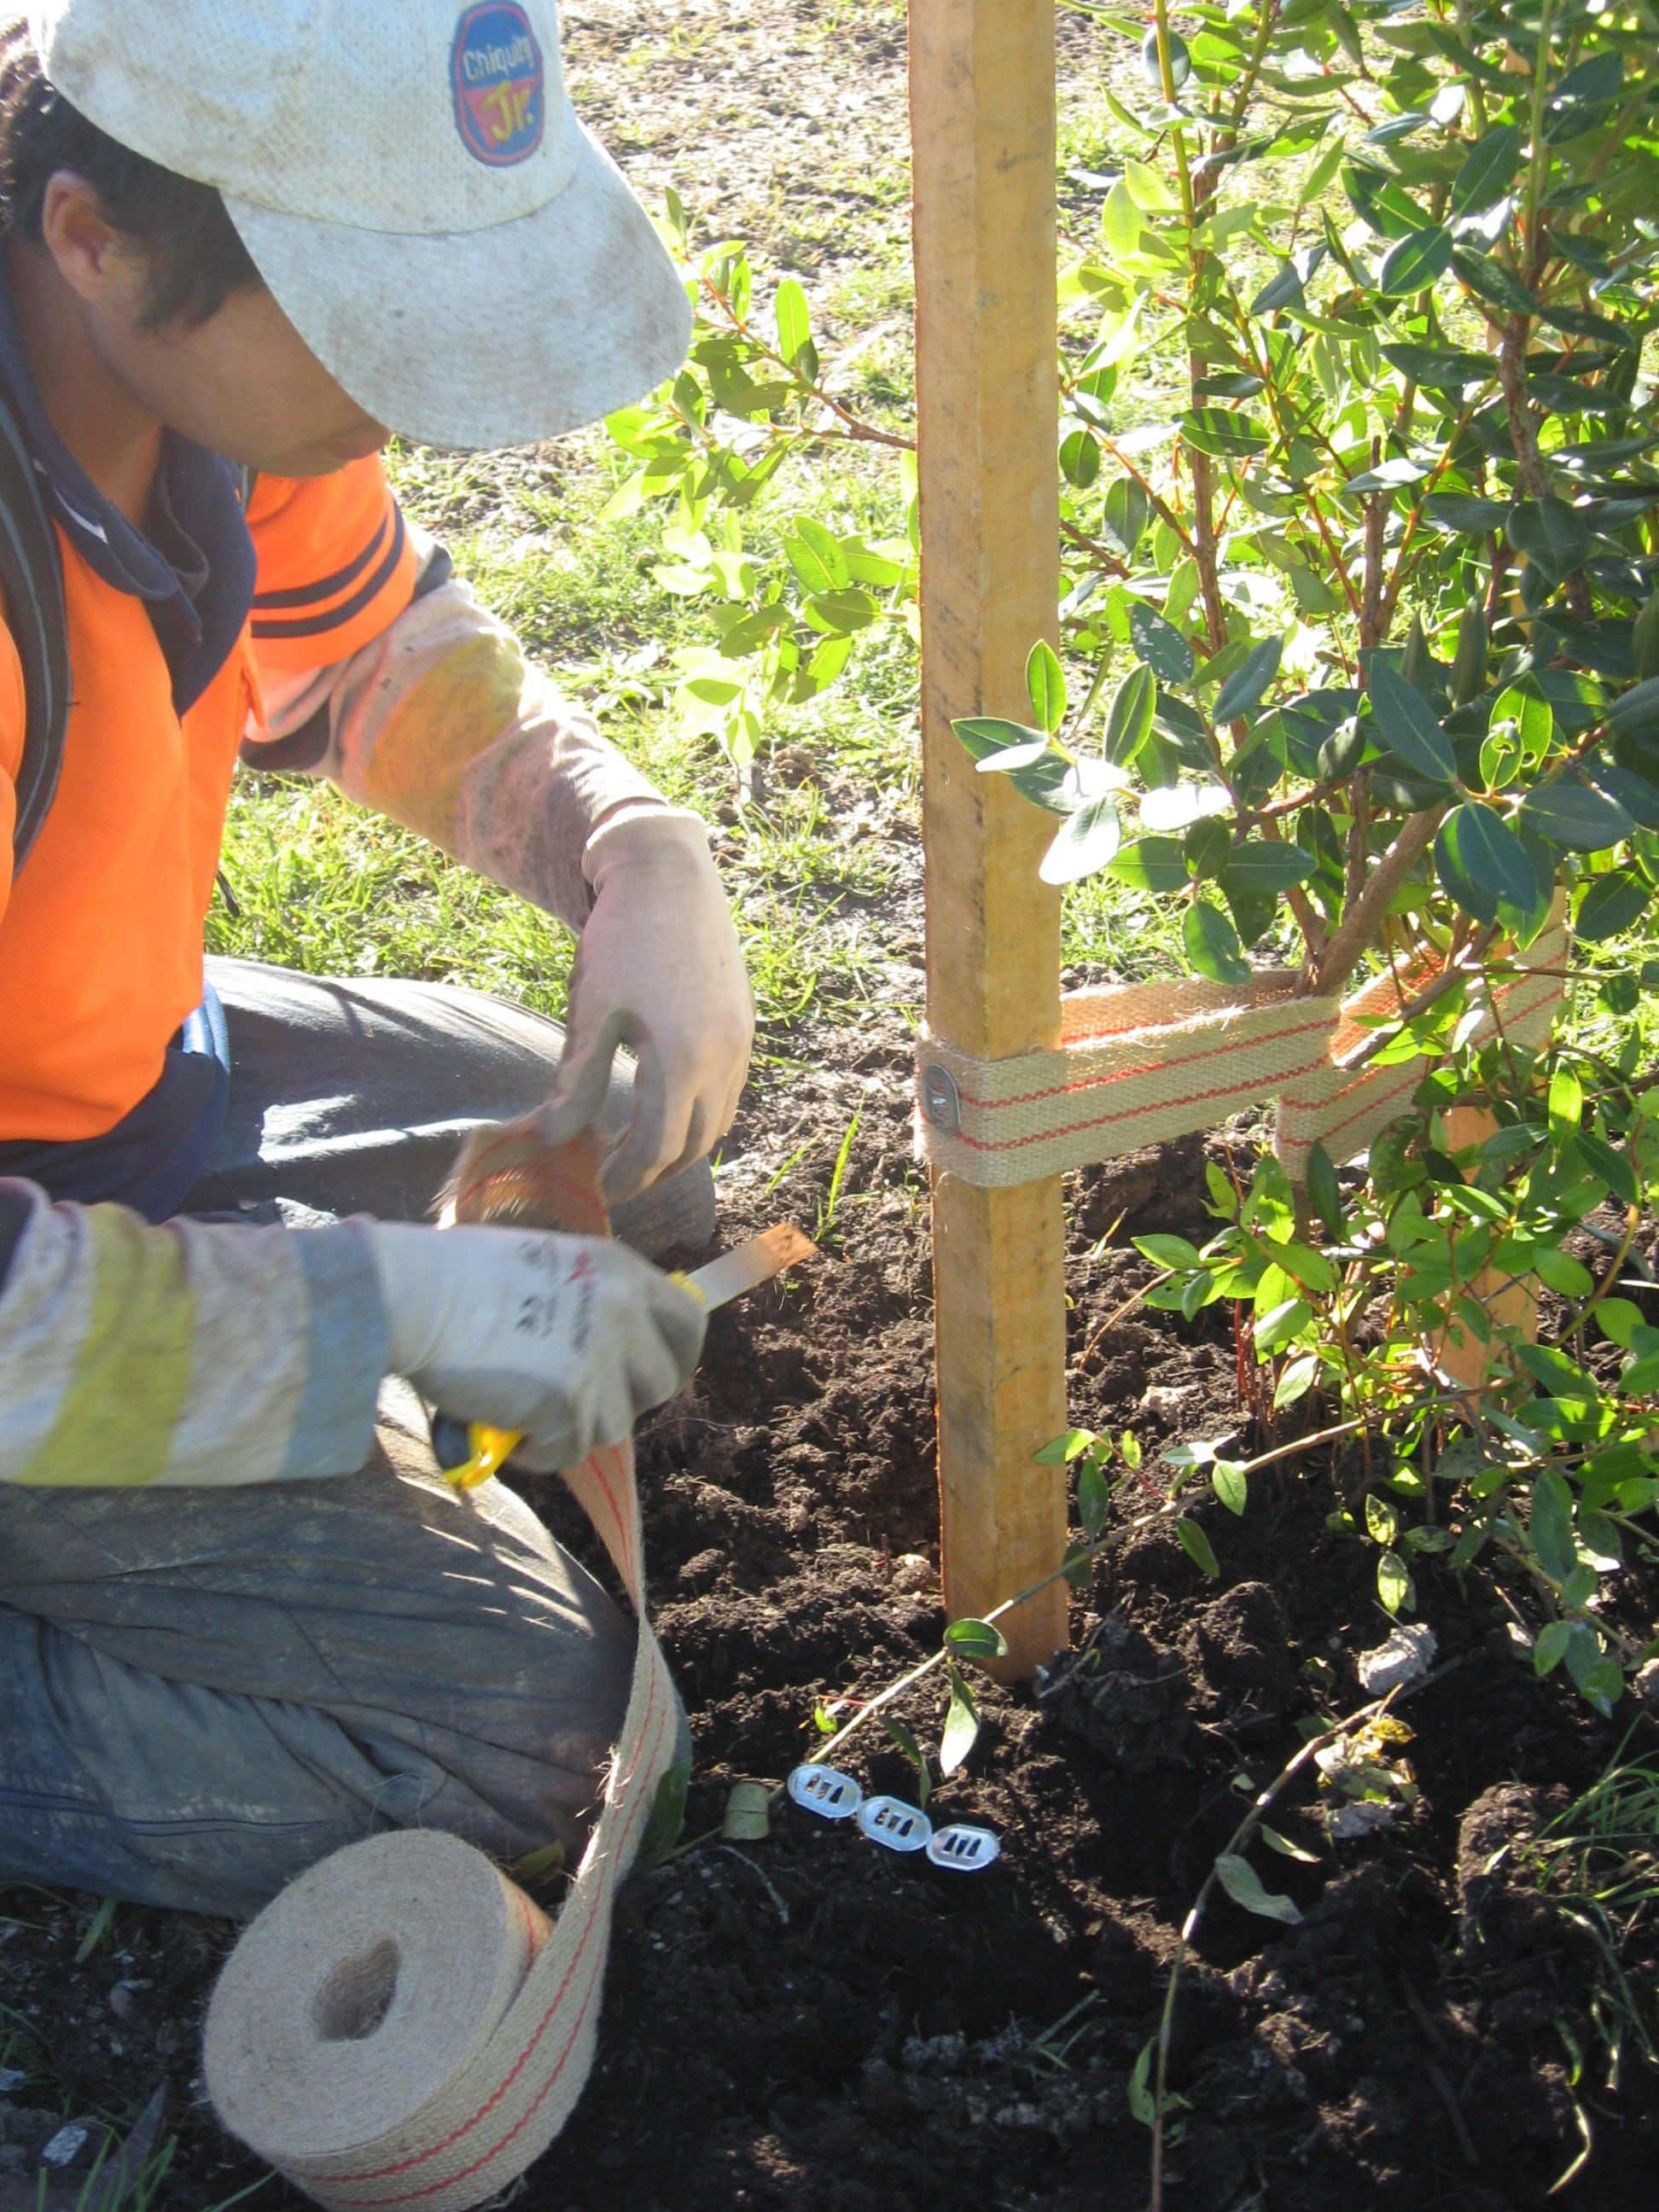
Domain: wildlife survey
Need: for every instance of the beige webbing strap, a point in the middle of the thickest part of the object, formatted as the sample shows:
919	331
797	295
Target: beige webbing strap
1149	1061
1343	1105
280	2080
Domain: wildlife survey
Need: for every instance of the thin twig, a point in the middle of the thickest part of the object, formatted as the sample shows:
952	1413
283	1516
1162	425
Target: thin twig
1259	1806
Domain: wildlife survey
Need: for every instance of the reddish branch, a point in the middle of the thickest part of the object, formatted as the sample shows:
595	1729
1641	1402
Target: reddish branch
1363	917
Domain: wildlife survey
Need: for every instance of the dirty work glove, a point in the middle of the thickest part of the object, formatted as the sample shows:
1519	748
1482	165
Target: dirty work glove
570	1338
659	968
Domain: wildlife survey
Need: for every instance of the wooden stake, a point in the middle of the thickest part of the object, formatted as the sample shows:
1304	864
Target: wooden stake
982	129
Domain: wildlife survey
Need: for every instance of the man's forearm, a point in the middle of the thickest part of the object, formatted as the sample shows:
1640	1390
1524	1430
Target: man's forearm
198	1352
441	725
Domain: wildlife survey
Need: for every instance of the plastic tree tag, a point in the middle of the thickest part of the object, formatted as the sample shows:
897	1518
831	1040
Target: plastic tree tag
895	1825
962	1848
826	1791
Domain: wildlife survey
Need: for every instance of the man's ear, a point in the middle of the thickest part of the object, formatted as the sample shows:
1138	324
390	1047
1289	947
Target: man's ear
92	256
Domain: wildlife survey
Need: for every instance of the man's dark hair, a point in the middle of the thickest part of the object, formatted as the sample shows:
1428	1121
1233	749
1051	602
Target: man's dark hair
196	255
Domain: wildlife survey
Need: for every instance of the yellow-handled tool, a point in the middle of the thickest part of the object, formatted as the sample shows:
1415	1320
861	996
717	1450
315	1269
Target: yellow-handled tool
744	1268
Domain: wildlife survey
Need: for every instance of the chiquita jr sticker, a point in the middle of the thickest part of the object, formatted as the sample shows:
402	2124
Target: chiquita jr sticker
500	86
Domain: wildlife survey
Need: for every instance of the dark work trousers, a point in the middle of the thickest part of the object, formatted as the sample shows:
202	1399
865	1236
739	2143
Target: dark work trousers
203	1690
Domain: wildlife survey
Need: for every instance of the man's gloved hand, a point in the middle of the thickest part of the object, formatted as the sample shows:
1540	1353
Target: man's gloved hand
570	1338
659	968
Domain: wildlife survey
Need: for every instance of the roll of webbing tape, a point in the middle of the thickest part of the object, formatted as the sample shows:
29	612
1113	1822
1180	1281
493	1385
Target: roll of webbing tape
401	2026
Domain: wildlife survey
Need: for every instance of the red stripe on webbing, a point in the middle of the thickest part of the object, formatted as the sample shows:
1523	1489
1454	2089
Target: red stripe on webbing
623	1523
652	1733
1144	1066
1508	1000
1126	1114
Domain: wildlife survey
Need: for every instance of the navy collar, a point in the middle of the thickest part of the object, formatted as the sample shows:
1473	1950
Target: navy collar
196	575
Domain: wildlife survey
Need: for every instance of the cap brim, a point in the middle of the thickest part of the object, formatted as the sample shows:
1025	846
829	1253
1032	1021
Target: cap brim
489	337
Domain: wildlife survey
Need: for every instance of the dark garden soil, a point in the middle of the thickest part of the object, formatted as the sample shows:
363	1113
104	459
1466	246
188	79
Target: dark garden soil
808	2020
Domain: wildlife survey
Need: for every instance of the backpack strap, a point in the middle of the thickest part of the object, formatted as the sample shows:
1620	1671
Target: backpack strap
32	578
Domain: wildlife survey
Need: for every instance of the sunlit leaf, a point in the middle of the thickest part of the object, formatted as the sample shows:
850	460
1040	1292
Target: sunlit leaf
977	1639
1086	842
1196	1545
1406	722
1045	686
961	1726
1243	1885
1211	945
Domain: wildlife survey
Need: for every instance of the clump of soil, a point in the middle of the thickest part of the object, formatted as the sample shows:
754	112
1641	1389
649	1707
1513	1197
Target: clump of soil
806	2020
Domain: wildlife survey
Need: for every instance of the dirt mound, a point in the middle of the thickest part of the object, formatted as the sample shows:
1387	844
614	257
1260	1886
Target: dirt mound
807	2021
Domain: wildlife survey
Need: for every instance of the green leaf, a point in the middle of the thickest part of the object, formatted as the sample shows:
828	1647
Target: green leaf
1125	513
1045	686
1609	1164
977	1639
1143	2105
1611	905
1151	863
1550	1647
1561	1272
1243	1885
1285	1848
1262	867
1413	264
1279	1325
1441	368
1553	535
1325	1193
985	736
1231	1485
1160	645
1086	842
1566	1103
662	1830
839	613
1248	683
1479	860
1571	813
1298	1379
1223	434
1381	1522
1093	1498
1393	1583
1211	945
1080	459
1619	1319
1457	511
1060	1451
1550	1525
914	1752
815	554
1129	724
1407	723
1168	1251
794	320
1196	1545
1284	288
1490	281
961	1726
1488	170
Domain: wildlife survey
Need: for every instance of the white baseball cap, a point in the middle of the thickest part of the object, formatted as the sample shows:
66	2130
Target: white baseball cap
414	186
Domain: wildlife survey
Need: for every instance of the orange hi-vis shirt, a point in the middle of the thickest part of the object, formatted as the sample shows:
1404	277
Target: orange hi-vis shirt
101	932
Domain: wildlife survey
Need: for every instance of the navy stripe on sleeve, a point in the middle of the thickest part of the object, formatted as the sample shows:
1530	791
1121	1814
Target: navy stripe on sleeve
348	610
16	1210
307	595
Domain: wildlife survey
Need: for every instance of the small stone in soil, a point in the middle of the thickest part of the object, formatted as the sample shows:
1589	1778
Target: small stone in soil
1406	1656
